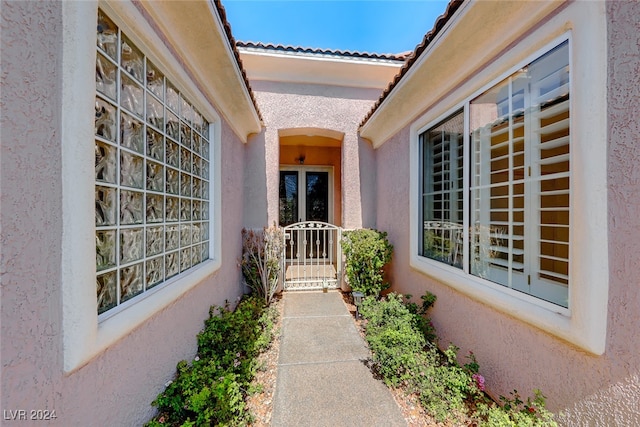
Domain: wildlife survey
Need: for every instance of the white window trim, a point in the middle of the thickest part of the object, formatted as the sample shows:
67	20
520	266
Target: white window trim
84	336
584	324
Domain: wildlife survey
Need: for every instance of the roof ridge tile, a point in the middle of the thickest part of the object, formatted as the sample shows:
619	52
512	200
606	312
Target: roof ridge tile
320	51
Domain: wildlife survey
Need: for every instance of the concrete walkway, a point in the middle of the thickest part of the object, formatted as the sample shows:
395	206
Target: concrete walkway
321	378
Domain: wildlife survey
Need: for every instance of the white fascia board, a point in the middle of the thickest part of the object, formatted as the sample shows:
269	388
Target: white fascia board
371	129
318	68
477	33
208	55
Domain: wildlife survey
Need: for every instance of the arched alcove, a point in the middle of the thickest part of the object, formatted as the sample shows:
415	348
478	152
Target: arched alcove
310	175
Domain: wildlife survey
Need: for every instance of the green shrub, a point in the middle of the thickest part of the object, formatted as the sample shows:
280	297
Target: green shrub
516	413
366	252
261	261
402	343
212	389
393	338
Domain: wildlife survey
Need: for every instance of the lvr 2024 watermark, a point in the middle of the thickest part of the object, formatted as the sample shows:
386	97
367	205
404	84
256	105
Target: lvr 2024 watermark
29	414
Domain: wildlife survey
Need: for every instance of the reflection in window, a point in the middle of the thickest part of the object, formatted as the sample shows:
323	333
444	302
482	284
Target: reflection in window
520	179
442	191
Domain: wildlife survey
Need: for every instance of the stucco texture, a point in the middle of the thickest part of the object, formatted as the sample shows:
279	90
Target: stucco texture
287	106
116	387
586	389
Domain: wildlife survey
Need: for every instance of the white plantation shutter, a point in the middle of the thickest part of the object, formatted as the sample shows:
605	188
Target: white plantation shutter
550	136
519	190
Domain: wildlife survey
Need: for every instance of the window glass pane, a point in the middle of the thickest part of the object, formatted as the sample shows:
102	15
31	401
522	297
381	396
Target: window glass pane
105	249
317	200
131	59
155	112
131	240
173	126
172	237
155	271
131	95
442	155
155	212
520	180
106	206
106	291
173	98
155	145
106	73
106	162
155	176
105	120
173	181
155	81
107	36
131	170
171	264
154	240
131	133
130	282
288	197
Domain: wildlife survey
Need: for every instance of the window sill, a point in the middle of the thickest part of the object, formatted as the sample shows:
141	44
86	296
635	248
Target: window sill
553	319
112	327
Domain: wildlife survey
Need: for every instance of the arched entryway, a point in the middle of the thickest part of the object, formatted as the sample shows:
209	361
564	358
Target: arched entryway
310	175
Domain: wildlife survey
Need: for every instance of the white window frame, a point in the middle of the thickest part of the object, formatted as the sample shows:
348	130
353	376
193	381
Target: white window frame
452	200
584	322
84	335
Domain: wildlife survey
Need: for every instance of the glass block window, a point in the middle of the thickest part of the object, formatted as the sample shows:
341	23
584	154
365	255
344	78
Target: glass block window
152	170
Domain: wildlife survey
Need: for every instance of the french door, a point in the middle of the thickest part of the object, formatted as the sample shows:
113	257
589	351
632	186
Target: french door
306	194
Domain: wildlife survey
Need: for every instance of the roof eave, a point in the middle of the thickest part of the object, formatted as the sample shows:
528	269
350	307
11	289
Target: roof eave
442	23
305	68
223	81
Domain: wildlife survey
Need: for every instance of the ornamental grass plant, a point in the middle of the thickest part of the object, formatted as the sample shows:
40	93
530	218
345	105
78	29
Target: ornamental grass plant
261	261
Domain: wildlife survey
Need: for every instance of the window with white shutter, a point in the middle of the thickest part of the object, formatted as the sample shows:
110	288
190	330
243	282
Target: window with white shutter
442	191
514	209
519	194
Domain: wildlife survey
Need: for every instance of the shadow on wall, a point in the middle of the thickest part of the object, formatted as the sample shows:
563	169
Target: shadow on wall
367	160
306	89
255	182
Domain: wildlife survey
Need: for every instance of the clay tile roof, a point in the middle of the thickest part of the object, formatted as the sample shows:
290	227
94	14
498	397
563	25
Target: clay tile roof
315	51
227	28
442	20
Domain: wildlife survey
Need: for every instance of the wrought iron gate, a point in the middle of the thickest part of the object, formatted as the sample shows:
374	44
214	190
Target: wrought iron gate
312	256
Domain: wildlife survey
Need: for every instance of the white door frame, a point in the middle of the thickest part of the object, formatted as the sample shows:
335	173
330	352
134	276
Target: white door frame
302	190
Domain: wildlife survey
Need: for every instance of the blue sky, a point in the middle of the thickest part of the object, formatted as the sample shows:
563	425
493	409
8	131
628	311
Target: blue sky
381	26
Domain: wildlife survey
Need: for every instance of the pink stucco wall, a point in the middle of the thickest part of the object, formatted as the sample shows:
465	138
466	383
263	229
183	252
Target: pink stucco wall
117	387
284	106
589	390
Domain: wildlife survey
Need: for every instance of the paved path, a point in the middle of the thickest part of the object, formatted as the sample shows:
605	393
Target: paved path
321	379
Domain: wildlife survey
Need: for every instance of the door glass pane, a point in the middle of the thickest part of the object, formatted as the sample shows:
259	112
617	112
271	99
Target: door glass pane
317	196
288	197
